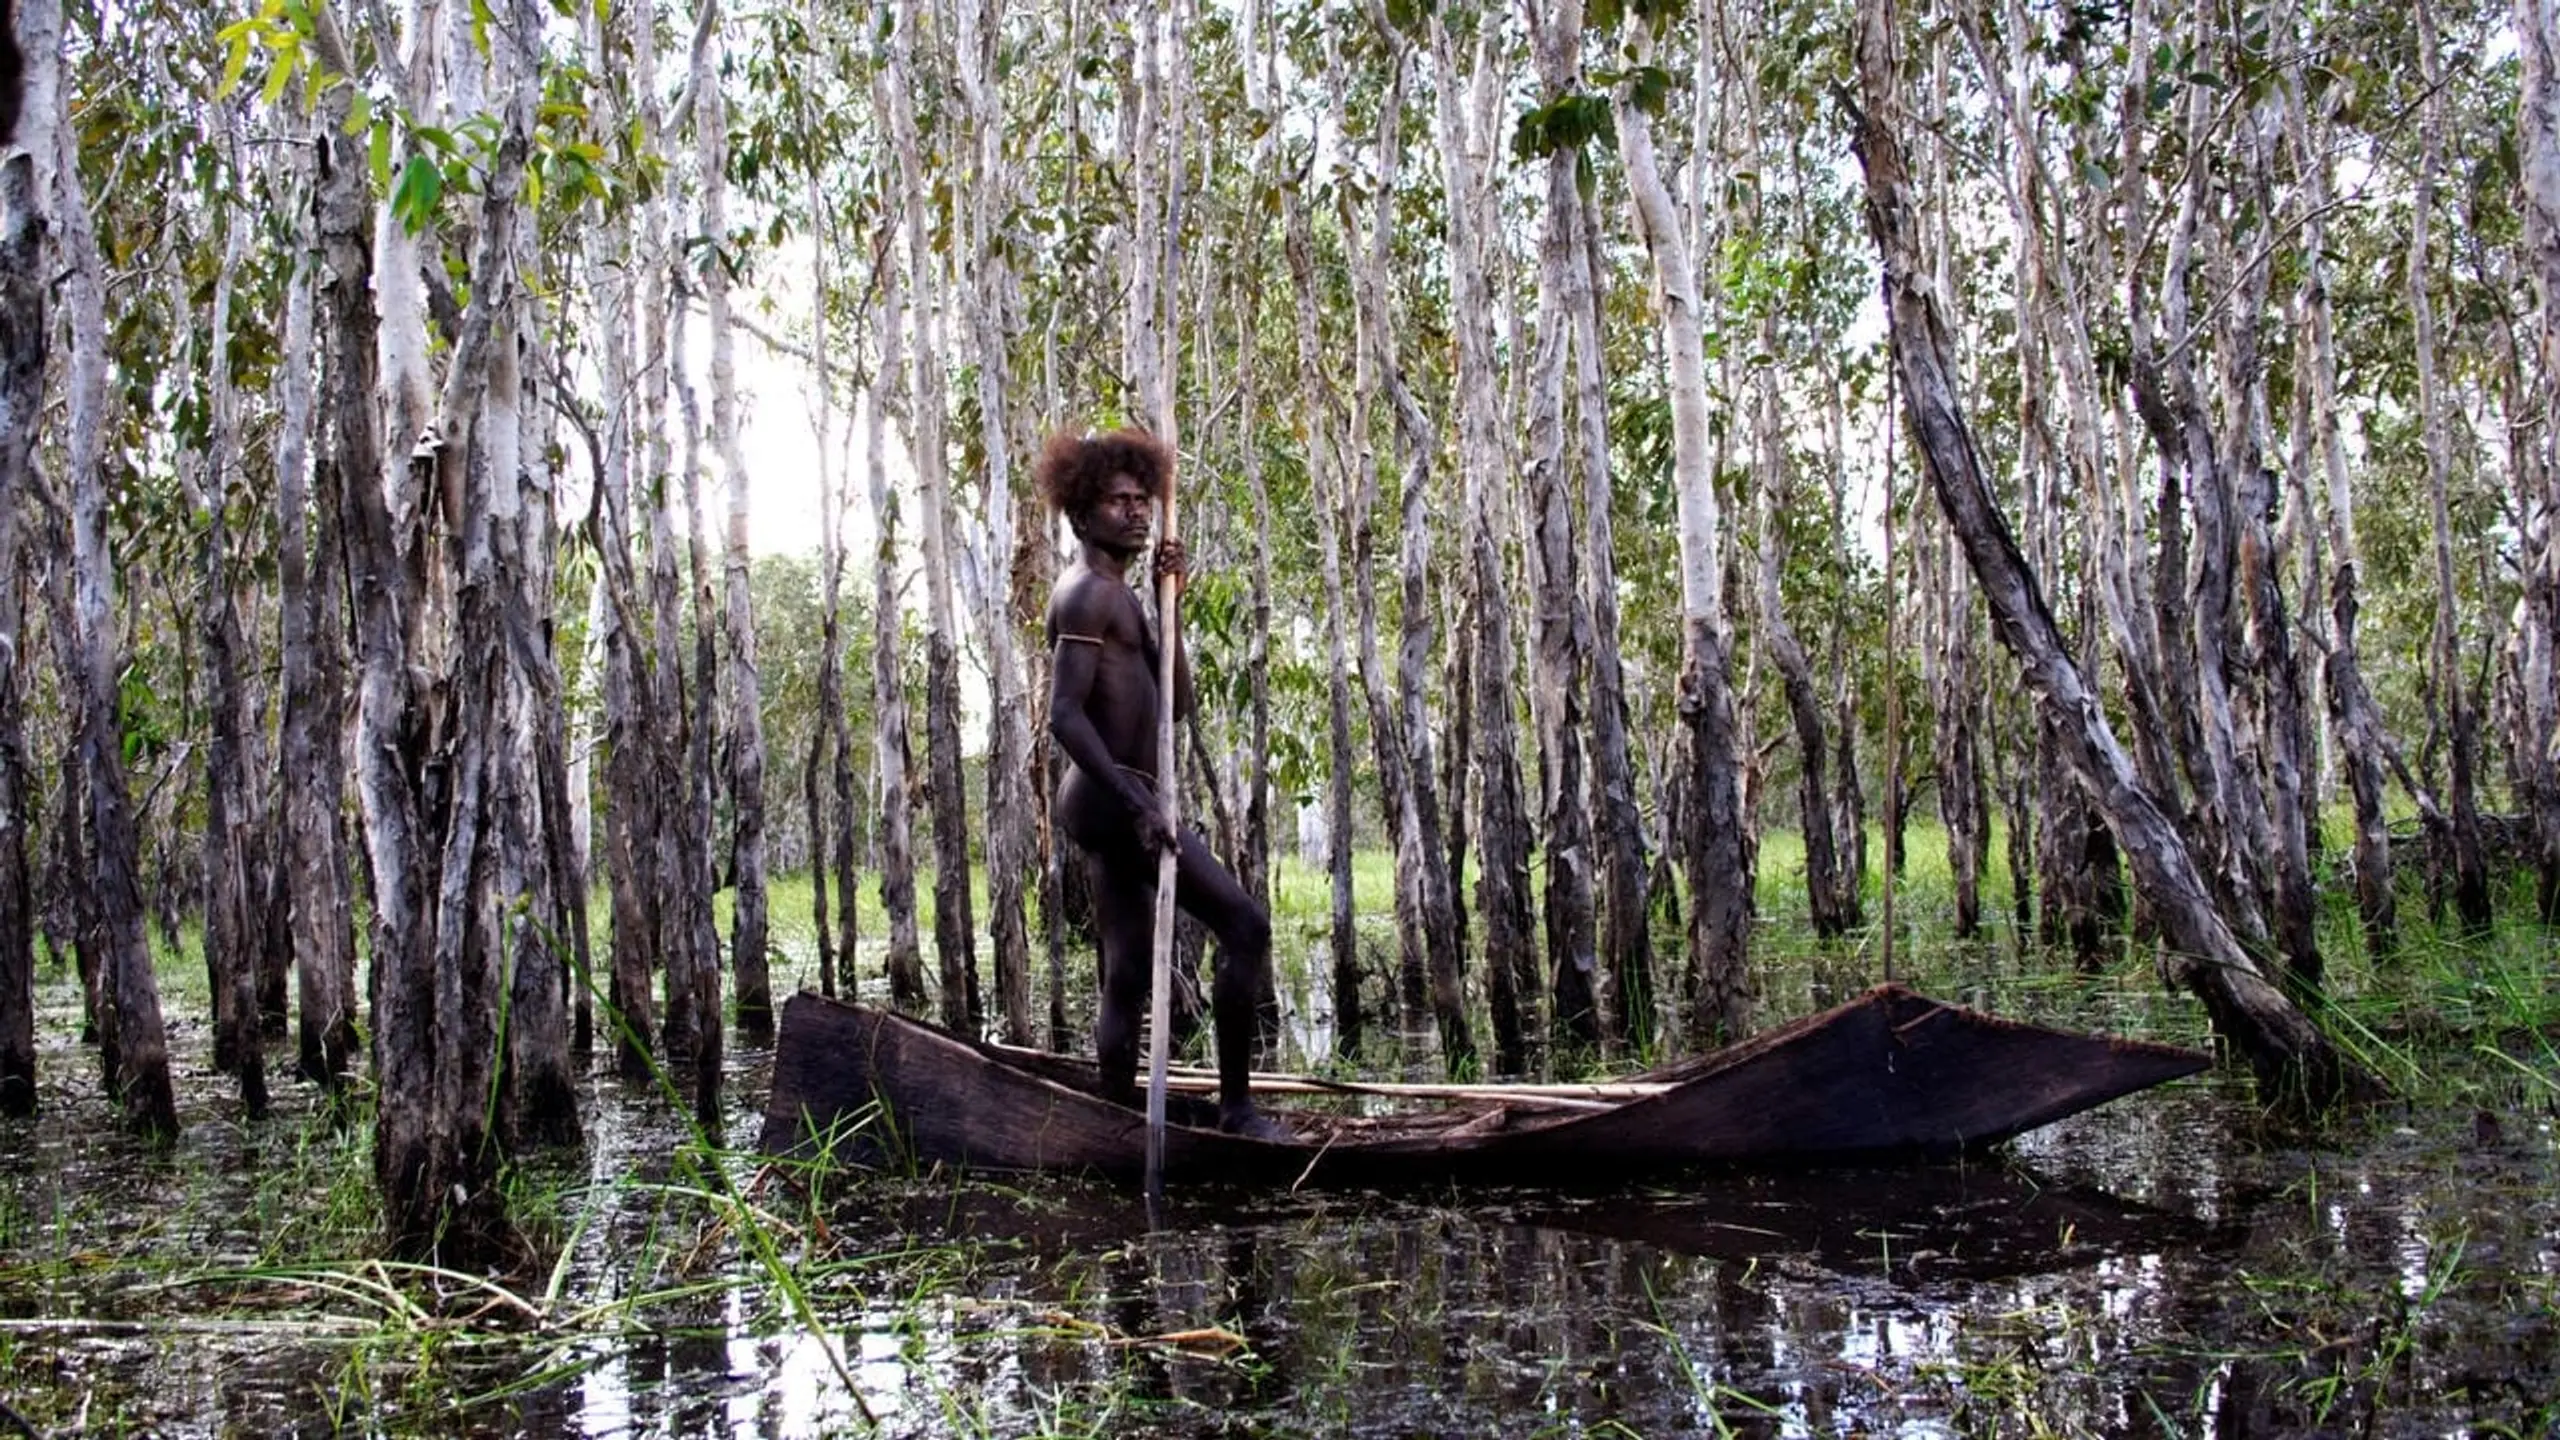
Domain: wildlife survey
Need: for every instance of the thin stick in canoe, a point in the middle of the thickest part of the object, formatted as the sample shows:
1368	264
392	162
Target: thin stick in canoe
1531	1096
1192	1079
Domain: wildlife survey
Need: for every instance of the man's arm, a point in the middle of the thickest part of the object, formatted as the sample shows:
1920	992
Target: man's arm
1171	560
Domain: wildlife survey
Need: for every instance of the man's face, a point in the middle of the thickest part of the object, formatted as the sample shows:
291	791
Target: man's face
1120	515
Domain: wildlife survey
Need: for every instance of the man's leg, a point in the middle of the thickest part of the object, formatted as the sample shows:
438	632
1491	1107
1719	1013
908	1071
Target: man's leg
1208	892
1124	913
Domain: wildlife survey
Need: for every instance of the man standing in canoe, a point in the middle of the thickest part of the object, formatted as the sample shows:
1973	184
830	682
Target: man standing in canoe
1103	706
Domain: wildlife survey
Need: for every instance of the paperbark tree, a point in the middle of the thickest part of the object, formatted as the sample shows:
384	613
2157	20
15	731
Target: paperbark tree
986	278
2537	31
1627	934
22	357
1502	822
830	831
954	929
1831	898
132	1041
2200	952
2282	732
1957	685
1717	979
890	748
742	739
235	888
1562	625
311	767
438	676
1421	856
688	942
1319	421
634	772
697	720
1258	59
2450	689
543	898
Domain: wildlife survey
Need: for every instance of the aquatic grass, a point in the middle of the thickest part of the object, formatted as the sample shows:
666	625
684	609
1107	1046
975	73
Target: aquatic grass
1712	1396
320	1199
419	1340
757	1240
2399	1067
2544	1077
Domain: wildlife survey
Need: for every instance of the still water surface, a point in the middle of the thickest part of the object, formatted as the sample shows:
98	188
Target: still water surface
2162	1267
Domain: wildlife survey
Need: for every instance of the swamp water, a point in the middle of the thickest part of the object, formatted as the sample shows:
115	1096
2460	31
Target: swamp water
2159	1267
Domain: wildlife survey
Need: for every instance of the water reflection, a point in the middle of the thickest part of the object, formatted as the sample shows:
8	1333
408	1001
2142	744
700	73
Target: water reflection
1769	1305
2156	1268
2149	1272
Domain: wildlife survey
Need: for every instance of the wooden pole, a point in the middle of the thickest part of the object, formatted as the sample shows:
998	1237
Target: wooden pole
1168	600
1892	683
1160	1003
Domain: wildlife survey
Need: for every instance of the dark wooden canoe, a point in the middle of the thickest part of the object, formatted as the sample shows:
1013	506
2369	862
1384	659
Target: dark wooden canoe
1891	1074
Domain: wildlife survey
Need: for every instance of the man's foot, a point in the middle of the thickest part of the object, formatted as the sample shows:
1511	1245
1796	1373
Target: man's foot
1246	1121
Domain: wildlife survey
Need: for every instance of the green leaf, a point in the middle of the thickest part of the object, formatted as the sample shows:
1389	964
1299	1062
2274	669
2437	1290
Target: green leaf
413	199
378	154
279	75
235	60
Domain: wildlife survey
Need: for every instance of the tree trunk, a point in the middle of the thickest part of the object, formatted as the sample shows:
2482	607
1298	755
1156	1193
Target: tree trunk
1627	932
742	740
568	789
2282	734
890	749
954	932
1502	821
312	774
688	943
2470	872
1429	973
22	354
234	891
2020	795
69	918
696	721
1962	798
1253	855
133	1043
540	905
437	674
634	781
2359	730
829	842
1563	627
2231	821
1830	896
1318	413
546	934
2537	29
1719	980
2291	1057
983	284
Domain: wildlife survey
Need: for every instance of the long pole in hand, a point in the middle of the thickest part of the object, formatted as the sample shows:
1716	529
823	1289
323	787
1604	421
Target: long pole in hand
1160	1005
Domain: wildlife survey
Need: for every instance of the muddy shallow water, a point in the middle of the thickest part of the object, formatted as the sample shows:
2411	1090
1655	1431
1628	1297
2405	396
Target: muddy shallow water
2161	1267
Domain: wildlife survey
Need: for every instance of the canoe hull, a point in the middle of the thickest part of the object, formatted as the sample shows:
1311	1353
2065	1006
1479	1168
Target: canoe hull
1891	1074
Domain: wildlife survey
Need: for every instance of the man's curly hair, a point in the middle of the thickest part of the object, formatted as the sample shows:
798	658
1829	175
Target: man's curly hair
1072	467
